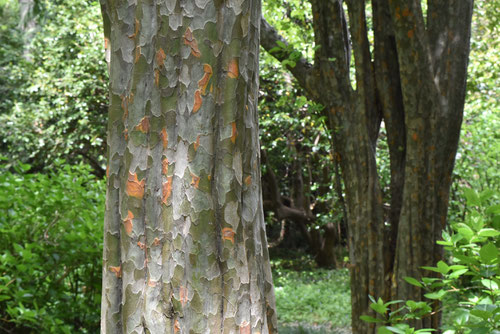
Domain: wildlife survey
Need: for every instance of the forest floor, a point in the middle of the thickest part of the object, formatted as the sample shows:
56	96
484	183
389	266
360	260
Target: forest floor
310	299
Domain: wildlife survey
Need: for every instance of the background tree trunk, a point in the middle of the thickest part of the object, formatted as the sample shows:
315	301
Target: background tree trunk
185	248
414	77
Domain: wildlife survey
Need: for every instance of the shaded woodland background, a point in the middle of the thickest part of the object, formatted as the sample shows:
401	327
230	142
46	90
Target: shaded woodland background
53	113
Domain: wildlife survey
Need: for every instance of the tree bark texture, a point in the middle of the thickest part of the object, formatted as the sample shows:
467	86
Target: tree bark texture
414	78
185	249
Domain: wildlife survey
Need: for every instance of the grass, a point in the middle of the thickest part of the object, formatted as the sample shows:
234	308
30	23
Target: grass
309	299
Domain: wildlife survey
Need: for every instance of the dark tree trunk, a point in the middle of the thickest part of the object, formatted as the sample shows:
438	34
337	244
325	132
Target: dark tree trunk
415	80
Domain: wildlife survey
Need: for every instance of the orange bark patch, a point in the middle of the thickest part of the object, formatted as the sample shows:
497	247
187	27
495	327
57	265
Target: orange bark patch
143	125
398	13
234	132
193	44
195	180
203	83
137	54
106	42
167	190
164	137
116	270
245	328
183	295
414	136
156	242
160	57
124	106
107	171
228	234
197	100
152	283
164	166
136	31
197	143
406	12
128	222
248	180
125	134
232	69
135	188
141	245
411	33
157	78
177	327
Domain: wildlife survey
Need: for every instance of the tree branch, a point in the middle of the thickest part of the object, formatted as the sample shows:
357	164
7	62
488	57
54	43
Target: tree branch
302	70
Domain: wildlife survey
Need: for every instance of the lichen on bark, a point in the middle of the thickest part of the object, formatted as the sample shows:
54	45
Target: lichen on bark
185	247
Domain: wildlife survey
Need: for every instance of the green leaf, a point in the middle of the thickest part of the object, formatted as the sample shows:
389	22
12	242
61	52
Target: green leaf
481	314
458	273
488	232
379	308
435	269
472	197
493	210
435	295
489	253
396	330
413	281
486	195
492	285
383	330
443	267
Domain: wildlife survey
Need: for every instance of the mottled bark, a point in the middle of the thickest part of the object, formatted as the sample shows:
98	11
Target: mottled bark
414	78
434	58
185	249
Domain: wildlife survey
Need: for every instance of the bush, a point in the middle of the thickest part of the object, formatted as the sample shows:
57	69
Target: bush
51	249
468	284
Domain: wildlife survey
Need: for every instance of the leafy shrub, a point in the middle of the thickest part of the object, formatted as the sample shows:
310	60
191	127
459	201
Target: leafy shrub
57	102
468	284
51	249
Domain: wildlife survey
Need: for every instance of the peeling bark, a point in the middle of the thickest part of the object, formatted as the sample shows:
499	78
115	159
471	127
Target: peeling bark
185	247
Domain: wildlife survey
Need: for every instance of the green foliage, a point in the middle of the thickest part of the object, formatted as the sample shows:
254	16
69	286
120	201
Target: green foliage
476	166
312	296
468	285
51	249
58	101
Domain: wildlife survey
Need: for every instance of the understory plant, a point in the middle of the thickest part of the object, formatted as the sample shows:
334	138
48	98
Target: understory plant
468	281
50	250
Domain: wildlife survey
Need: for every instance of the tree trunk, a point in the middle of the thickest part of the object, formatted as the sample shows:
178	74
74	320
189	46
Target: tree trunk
415	78
185	248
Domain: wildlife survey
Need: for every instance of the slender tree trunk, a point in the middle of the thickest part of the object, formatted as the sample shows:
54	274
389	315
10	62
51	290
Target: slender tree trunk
185	248
415	78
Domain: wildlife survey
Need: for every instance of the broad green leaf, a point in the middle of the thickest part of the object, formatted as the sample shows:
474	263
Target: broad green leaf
486	195
472	197
489	253
435	295
379	308
413	281
488	232
435	269
383	330
492	285
458	273
443	267
396	330
481	314
493	210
